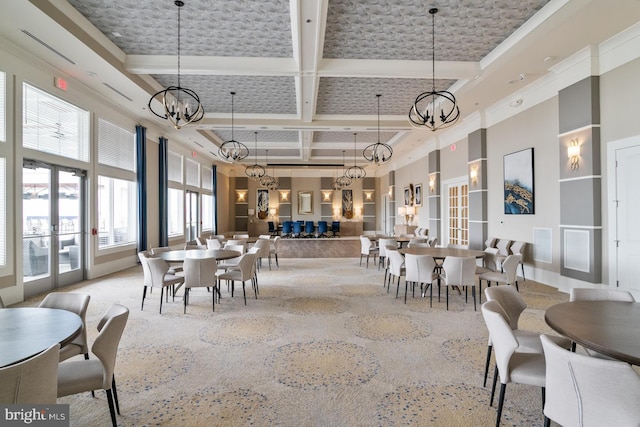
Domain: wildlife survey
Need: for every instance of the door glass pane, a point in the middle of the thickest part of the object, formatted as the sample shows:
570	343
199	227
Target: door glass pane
69	209
36	225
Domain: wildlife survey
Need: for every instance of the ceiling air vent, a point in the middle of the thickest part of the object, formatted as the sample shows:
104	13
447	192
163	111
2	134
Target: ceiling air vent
117	91
47	46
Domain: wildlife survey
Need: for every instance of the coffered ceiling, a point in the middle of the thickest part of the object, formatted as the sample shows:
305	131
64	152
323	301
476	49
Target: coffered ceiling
306	72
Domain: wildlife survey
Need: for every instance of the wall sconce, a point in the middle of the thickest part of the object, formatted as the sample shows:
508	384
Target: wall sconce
391	191
272	212
402	212
473	174
241	196
326	196
368	195
573	152
284	196
432	184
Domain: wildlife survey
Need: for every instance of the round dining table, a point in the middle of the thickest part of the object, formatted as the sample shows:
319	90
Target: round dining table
27	331
180	254
442	253
608	327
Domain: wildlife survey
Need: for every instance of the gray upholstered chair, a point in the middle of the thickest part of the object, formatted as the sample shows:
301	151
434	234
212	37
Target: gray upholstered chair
489	262
244	271
174	267
367	249
32	381
78	376
2	303
264	248
588	391
508	277
274	246
382	252
214	244
156	276
76	303
199	273
513	306
396	267
511	365
420	269
503	246
517	248
461	272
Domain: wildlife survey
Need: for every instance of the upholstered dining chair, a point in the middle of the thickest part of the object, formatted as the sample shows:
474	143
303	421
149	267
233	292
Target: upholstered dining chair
335	229
155	271
287	229
309	228
588	391
518	248
587	294
508	277
460	272
33	381
419	269
242	273
297	229
512	366
2	303
503	246
241	236
396	267
367	249
273	230
273	249
264	249
382	253
514	305
78	376
489	262
76	303
323	228
199	273
237	242
214	244
174	267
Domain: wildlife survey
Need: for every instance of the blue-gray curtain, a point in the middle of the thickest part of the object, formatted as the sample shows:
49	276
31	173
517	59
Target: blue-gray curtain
141	175
163	191
214	193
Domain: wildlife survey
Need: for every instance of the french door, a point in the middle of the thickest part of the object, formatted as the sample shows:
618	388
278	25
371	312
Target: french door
456	213
52	226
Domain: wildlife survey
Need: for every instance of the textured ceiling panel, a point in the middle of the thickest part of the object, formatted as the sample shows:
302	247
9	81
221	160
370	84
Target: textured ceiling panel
466	30
248	137
352	95
254	94
216	28
346	137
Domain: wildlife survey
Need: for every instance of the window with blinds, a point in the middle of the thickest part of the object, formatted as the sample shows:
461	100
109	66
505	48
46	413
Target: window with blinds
116	146
175	208
193	173
207	182
207	212
52	125
3	102
174	167
3	212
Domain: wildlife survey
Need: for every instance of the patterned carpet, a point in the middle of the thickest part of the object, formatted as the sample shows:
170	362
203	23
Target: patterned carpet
323	345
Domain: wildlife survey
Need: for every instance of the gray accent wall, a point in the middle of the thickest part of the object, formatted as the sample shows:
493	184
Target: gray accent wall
580	188
434	195
477	157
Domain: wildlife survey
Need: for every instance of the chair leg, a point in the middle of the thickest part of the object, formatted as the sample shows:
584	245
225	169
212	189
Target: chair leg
406	286
144	294
486	365
277	265
493	386
186	299
447	298
480	291
522	266
547	422
244	293
360	260
115	393
111	408
255	287
161	293
431	295
473	292
503	388
398	287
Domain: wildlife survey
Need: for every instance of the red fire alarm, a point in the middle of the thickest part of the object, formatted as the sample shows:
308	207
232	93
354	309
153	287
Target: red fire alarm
60	83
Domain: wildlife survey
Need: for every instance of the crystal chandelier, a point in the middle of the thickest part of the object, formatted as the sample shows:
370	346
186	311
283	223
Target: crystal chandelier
378	153
255	171
181	106
355	172
232	151
423	112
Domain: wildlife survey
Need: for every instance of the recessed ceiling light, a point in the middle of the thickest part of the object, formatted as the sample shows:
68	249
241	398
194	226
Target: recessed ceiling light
549	58
116	34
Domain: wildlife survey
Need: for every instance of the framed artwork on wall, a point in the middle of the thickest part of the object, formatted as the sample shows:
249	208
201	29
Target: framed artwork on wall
418	195
518	183
347	204
262	203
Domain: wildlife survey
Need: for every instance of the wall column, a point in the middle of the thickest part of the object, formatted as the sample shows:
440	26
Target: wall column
580	181
433	189
477	156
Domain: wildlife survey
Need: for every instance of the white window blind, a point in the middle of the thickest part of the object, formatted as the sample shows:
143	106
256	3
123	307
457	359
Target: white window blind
116	146
193	173
52	125
3	102
174	172
207	182
3	211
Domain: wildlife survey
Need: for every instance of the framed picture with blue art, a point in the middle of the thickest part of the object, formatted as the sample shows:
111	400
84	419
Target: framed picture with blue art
518	183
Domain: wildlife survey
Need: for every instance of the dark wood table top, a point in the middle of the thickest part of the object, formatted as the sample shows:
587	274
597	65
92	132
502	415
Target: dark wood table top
27	331
181	254
608	327
442	253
